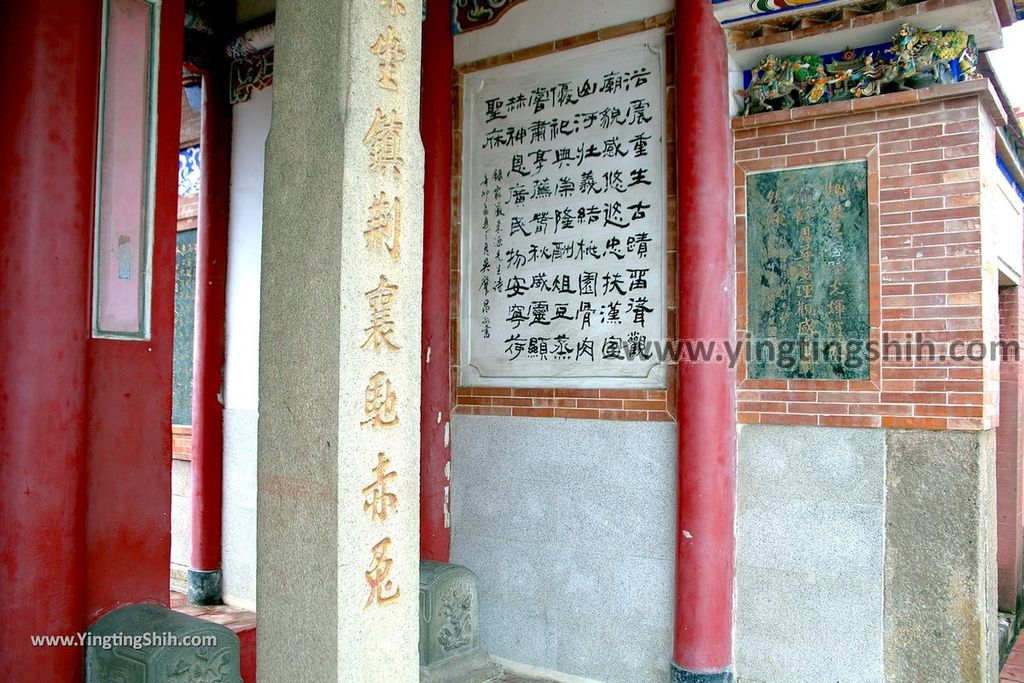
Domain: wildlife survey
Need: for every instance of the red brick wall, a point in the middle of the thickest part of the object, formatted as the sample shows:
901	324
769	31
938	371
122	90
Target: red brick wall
1009	469
929	271
181	442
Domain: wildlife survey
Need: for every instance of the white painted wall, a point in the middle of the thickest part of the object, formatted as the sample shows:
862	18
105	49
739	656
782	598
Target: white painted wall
241	373
569	524
251	123
542	21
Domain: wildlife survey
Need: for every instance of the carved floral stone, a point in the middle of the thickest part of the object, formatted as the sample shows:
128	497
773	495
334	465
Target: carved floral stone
457	609
450	627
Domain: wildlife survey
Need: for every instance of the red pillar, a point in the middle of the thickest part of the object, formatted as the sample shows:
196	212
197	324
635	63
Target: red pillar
129	401
49	120
84	438
707	420
204	576
436	130
128	532
1009	460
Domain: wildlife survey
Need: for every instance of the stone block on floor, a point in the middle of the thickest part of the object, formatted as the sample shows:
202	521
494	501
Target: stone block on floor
450	627
143	643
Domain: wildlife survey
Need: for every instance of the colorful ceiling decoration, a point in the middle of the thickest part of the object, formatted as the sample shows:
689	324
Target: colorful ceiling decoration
915	58
469	15
729	11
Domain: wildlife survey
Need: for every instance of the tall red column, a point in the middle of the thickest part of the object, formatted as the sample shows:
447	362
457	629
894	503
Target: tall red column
1009	457
128	535
436	130
49	121
707	419
204	575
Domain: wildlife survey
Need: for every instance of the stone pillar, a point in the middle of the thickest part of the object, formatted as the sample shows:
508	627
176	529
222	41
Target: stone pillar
338	496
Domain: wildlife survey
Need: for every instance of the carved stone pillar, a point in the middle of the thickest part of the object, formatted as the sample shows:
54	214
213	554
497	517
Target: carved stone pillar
338	498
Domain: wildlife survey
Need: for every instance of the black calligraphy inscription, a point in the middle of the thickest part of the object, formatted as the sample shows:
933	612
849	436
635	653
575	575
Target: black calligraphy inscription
807	273
564	176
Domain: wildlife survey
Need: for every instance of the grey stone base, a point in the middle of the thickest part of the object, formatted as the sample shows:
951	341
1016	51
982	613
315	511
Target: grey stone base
476	667
145	643
681	675
204	588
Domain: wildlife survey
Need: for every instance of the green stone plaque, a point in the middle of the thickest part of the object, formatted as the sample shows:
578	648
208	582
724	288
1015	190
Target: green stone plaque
807	273
184	327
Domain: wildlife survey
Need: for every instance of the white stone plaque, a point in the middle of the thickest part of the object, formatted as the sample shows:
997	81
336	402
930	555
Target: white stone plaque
564	218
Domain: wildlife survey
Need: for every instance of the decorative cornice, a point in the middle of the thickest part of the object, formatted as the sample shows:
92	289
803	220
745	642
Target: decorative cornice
252	72
469	15
732	11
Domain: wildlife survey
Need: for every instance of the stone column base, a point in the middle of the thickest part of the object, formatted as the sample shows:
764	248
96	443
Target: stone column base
681	675
204	588
476	667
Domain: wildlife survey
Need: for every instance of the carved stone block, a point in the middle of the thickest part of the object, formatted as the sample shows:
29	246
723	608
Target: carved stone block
450	626
151	644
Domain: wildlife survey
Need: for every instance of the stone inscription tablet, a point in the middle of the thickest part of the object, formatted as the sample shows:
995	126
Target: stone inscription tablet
563	218
807	273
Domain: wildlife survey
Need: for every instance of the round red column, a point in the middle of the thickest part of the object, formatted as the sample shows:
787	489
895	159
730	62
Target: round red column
204	574
705	539
46	199
436	131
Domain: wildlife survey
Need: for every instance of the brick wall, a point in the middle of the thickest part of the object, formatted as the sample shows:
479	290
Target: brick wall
588	404
181	442
932	266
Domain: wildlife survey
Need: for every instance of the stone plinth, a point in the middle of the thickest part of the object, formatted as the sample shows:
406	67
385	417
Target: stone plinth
145	643
450	627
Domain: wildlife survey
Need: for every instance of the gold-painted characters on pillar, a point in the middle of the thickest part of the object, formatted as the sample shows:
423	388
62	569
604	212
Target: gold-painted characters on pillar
381	403
382	325
385	141
390	52
378	499
384	226
396	7
383	590
383	235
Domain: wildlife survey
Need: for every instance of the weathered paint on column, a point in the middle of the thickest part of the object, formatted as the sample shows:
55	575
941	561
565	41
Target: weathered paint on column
84	424
340	325
129	399
45	203
707	421
436	129
204	580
